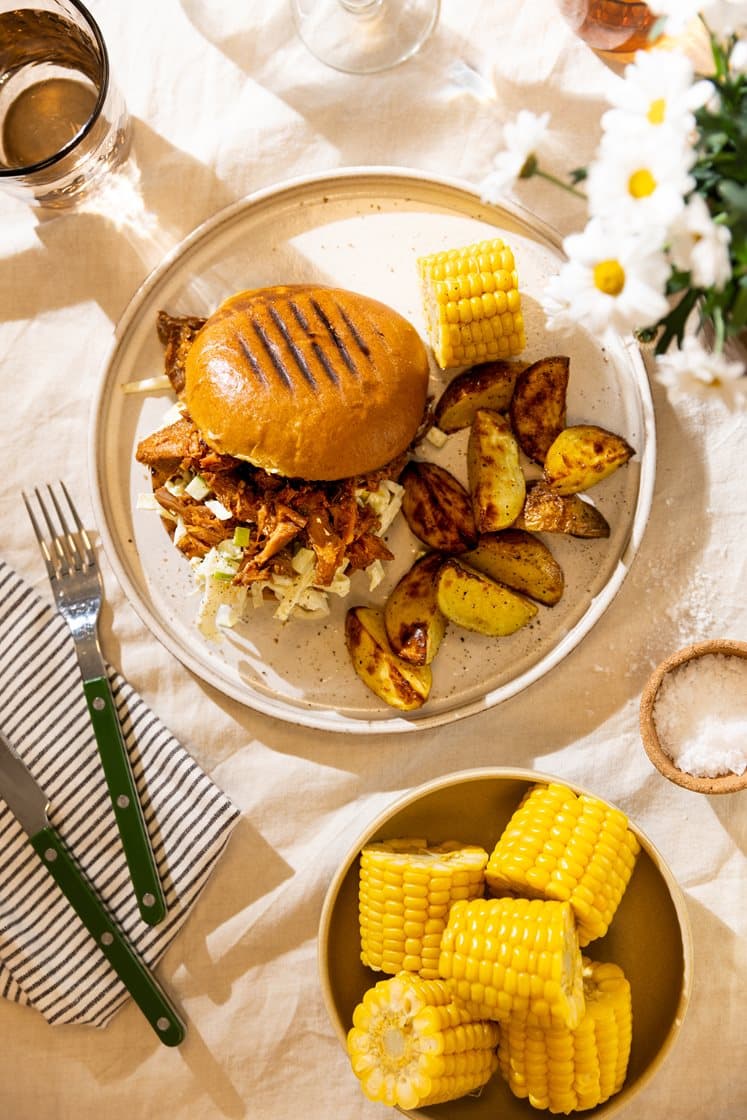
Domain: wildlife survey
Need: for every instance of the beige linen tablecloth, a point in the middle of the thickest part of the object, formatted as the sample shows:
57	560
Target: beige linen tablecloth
226	100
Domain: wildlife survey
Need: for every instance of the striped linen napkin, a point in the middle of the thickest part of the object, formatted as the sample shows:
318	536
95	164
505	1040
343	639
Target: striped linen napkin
47	958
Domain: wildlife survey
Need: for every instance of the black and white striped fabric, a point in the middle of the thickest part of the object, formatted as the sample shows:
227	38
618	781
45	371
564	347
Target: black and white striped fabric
47	958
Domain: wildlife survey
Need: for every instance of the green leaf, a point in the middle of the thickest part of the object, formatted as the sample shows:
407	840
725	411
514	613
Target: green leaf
734	195
673	324
738	313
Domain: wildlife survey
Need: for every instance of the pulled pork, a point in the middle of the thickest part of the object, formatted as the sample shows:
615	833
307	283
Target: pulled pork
177	335
322	516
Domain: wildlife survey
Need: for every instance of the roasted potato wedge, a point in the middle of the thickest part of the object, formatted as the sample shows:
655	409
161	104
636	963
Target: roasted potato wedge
414	624
546	511
437	508
487	385
583	455
521	562
473	600
538	405
496	480
394	681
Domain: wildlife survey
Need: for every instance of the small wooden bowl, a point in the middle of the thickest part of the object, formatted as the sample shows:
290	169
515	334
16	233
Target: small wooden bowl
726	783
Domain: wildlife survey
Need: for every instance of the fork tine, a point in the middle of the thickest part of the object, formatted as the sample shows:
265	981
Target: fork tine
67	539
87	552
41	540
59	545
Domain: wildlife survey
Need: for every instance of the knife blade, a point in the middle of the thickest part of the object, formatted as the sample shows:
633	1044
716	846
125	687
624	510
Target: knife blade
28	803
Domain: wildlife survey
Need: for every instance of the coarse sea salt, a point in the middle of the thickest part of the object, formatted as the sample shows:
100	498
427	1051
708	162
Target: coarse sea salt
700	714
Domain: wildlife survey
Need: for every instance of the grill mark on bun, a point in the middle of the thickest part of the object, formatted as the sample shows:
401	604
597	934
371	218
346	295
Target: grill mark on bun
299	316
336	337
272	353
363	345
301	362
329	369
321	357
245	386
247	352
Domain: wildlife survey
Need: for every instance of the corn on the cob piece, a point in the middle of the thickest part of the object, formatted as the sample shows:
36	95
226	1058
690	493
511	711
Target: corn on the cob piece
514	957
472	303
411	1045
558	845
568	1070
405	891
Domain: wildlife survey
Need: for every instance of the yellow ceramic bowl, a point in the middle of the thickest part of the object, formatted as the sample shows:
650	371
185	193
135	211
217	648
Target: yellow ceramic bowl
649	938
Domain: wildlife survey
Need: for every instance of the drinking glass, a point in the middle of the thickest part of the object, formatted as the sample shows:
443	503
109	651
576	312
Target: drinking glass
364	36
63	123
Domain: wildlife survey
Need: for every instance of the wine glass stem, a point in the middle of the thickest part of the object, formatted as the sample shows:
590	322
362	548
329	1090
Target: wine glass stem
358	7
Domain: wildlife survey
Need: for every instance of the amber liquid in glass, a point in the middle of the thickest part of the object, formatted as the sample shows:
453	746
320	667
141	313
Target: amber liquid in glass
44	118
51	77
618	26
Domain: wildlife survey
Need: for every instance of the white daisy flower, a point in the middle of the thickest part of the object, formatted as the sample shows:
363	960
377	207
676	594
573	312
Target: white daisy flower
725	17
700	246
679	13
695	371
612	281
641	185
658	91
522	138
738	58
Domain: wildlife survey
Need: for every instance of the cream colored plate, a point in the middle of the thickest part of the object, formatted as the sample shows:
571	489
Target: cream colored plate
360	229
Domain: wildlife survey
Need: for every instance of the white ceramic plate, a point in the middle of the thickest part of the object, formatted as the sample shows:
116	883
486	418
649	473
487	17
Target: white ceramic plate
360	229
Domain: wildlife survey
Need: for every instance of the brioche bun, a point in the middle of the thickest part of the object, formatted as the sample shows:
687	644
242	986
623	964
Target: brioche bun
307	381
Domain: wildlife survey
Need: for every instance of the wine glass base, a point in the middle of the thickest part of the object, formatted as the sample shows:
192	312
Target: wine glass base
364	36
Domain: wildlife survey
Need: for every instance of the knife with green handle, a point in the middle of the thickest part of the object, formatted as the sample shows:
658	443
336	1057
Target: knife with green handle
27	801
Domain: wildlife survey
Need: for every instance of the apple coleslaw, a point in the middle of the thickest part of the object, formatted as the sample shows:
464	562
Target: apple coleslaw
223	602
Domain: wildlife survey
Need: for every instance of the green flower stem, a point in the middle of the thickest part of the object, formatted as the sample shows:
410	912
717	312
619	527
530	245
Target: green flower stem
559	183
719	329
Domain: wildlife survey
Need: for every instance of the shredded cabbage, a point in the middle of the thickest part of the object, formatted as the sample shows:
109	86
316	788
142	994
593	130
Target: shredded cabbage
436	437
218	509
375	573
147	385
148	501
197	488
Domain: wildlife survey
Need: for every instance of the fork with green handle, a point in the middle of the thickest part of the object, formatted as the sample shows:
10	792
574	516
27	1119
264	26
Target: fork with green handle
76	583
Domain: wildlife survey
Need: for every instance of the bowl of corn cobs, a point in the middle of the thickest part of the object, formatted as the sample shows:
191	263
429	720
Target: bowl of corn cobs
501	943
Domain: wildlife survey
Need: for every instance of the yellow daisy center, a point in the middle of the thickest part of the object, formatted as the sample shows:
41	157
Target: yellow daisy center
609	277
657	111
641	183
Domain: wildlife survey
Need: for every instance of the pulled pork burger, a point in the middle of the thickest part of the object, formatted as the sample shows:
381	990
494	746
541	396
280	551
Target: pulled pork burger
278	475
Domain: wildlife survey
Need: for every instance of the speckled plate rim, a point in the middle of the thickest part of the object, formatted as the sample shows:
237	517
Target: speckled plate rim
330	719
677	895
